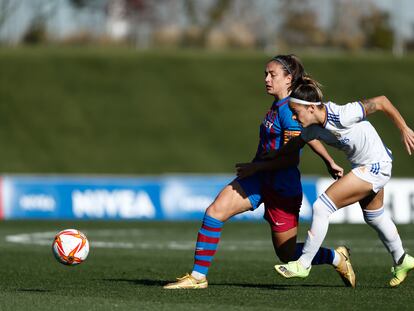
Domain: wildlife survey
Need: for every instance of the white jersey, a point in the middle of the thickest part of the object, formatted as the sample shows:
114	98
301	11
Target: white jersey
345	128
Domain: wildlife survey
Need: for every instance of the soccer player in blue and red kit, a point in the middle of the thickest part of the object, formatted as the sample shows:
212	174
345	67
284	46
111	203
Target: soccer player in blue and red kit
280	190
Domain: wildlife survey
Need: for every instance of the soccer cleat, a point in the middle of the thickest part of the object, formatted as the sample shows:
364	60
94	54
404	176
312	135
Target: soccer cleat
344	268
400	271
187	282
293	269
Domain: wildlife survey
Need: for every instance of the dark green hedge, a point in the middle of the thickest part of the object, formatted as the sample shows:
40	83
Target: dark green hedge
130	112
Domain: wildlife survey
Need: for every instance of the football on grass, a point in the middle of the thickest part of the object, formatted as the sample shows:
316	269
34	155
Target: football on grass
70	247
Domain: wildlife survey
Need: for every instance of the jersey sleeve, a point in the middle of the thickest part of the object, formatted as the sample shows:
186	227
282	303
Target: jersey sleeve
290	128
351	113
310	133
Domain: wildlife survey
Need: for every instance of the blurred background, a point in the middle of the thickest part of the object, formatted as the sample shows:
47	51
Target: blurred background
150	103
262	25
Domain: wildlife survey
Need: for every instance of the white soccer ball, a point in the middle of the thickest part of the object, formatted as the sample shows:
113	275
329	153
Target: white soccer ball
70	247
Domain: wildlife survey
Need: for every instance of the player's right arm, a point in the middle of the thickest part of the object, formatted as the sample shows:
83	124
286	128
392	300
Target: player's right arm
291	148
382	103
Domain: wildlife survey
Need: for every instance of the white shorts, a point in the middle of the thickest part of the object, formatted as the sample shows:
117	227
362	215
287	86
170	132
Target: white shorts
377	174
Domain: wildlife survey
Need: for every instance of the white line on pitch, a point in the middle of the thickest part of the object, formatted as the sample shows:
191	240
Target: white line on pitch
45	238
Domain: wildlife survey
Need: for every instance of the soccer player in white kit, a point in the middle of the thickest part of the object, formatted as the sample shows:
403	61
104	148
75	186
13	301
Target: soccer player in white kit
345	127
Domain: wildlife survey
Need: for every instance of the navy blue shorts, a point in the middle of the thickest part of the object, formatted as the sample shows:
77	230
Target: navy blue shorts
252	187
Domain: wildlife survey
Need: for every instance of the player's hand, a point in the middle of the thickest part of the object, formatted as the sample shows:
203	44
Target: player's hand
407	136
244	170
335	170
268	155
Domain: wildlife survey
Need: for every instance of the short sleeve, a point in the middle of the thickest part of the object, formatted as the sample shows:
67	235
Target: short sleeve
351	113
310	133
286	121
290	128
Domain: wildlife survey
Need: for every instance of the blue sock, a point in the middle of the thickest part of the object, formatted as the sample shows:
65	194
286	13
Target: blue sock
323	256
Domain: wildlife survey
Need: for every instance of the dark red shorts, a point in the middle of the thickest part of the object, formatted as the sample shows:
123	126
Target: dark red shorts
282	213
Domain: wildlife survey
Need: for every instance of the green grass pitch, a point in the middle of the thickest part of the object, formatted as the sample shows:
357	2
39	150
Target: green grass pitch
130	261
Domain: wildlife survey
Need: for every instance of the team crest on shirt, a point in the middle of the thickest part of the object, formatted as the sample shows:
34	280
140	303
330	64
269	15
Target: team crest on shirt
344	141
341	140
336	134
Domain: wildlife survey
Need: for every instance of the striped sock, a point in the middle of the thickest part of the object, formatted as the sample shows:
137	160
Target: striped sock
206	246
322	209
323	256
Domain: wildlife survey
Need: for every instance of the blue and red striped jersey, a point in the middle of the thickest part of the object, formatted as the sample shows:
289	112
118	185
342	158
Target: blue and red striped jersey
276	129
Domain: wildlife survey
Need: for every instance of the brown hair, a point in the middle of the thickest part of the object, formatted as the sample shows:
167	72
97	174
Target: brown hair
307	90
292	65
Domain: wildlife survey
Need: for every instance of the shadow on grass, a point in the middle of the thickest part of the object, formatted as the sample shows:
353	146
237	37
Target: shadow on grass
279	286
139	281
160	283
34	290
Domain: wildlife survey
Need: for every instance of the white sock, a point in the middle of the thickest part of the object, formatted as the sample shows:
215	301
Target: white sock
387	231
322	209
198	275
336	260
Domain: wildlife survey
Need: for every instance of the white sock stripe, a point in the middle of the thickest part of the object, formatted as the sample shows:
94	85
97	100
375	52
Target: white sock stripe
373	214
377	211
331	210
328	202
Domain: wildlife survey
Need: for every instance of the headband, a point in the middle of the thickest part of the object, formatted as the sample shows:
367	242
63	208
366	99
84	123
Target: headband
283	63
303	102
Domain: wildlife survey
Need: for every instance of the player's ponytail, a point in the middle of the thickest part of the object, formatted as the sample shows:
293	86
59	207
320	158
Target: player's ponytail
307	90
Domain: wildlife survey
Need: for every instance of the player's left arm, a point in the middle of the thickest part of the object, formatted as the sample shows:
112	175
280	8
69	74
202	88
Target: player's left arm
286	156
334	169
382	103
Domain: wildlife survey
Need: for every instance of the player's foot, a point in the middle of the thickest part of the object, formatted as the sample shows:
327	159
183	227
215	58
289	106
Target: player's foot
400	271
293	269
344	268
187	282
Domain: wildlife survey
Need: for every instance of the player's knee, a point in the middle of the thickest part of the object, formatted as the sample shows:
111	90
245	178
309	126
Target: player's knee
319	208
224	208
323	206
372	217
213	211
217	211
